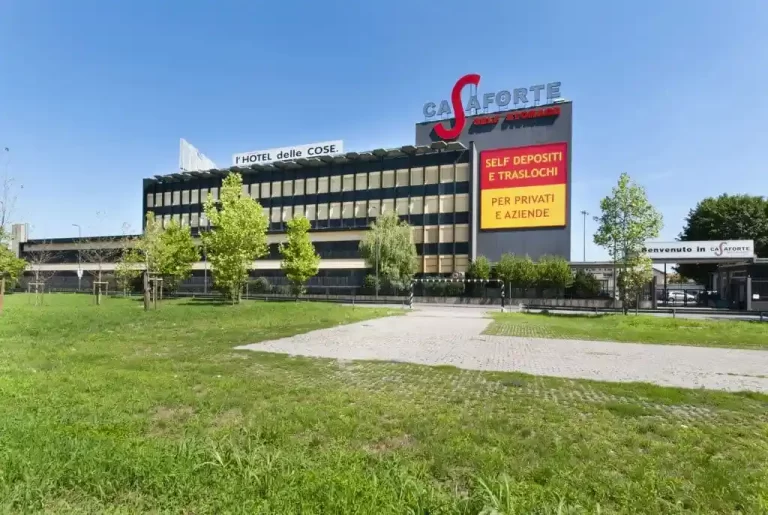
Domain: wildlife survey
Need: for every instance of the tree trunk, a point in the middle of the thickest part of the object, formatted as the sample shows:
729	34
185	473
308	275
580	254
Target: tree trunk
146	292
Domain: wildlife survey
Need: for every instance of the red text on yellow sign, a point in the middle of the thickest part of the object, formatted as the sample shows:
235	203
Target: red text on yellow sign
519	208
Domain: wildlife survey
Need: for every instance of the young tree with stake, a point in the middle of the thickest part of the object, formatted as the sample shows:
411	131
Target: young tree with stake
237	237
628	219
300	261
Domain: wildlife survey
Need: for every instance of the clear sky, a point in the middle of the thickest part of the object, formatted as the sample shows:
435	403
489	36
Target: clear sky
95	95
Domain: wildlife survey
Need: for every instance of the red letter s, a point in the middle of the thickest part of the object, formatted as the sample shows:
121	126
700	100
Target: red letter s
453	133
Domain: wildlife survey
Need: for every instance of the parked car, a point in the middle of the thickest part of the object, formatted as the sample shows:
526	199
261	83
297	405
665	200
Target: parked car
680	296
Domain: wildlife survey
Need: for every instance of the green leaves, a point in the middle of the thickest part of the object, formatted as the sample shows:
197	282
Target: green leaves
519	271
177	254
479	268
627	220
388	246
300	261
554	272
238	235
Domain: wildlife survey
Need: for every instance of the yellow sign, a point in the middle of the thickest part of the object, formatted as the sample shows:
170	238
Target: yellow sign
517	208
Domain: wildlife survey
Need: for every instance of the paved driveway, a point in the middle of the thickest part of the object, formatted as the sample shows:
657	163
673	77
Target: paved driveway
452	336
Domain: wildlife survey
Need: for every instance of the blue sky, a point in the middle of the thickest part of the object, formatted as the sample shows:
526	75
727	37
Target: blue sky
95	95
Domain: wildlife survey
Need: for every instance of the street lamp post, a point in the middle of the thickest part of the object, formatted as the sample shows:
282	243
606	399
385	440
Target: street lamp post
79	253
584	235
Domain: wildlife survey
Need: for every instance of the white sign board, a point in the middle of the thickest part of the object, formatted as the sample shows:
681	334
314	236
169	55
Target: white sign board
325	148
717	249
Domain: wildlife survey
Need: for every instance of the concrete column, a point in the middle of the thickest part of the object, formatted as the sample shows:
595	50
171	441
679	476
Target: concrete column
749	293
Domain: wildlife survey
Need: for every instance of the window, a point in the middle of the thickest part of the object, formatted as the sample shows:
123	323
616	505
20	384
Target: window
417	234
215	193
167	198
311	212
388	179
461	233
401	205
447	173
401	178
347	210
311	188
287	188
446	264
446	203
335	184
287	213
176	218
194	197
461	263
387	205
417	176
335	211
275	215
276	189
265	190
360	209
203	220
430	175
462	203
430	264
374	180
266	212
417	205
298	211
361	181
322	211
298	187
255	191
374	208
430	234
166	220
245	189
446	233
462	172
150	200
158	199
322	185
184	219
430	204
194	219
185	197
348	183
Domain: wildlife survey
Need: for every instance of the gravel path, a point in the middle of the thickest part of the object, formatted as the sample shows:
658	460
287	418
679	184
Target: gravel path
445	336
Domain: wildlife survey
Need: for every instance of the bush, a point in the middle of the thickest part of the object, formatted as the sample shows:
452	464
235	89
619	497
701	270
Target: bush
454	289
369	285
261	285
585	286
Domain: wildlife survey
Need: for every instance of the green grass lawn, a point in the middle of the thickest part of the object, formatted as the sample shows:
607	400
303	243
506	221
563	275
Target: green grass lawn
633	328
110	409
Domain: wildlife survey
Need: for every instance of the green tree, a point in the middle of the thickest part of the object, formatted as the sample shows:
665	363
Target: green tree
554	272
727	217
11	267
237	237
148	251
300	260
585	285
388	249
128	268
479	268
628	219
177	254
517	271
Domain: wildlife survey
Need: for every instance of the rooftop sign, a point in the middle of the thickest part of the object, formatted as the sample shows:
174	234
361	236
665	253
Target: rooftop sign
310	150
500	99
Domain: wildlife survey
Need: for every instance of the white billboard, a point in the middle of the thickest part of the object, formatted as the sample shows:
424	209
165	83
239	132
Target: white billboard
716	249
325	148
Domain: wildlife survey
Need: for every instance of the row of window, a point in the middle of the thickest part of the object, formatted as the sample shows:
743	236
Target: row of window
346	210
321	185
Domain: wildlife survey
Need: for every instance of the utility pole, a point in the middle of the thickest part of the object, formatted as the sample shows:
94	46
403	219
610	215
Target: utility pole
79	254
584	234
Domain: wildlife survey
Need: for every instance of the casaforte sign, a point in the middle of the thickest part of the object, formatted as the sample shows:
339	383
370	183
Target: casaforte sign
716	249
500	99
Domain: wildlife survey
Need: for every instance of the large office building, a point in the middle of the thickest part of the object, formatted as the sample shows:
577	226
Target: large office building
471	183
